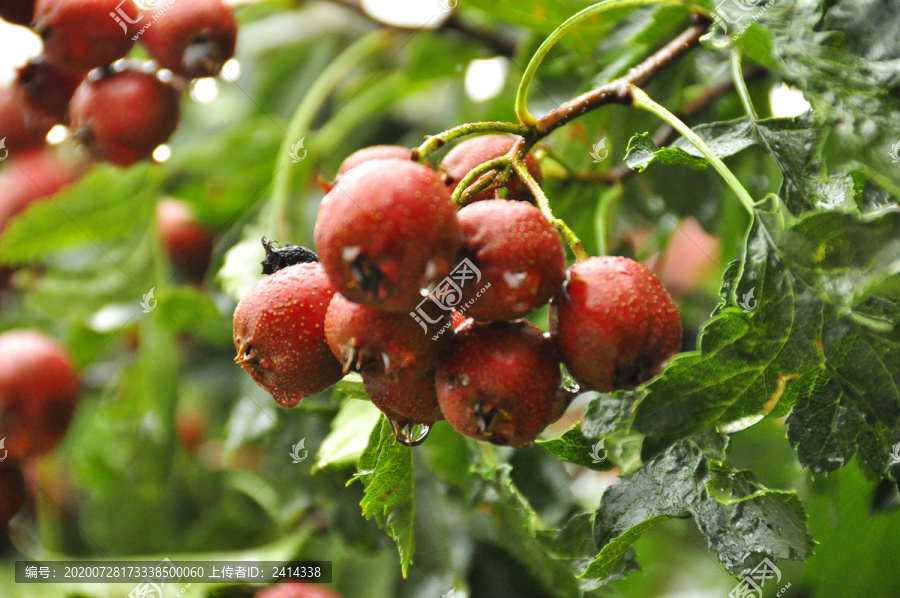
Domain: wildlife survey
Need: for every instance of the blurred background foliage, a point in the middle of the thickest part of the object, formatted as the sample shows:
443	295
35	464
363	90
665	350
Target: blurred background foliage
174	452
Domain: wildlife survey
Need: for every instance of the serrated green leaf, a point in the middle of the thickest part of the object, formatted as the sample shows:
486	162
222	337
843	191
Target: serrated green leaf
742	520
574	447
642	152
107	205
350	430
810	258
386	471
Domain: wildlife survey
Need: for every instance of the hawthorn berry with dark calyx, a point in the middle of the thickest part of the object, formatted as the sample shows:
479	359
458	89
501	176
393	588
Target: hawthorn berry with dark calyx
386	232
13	491
519	254
407	405
499	382
122	116
614	323
472	152
38	392
279	334
186	241
45	91
296	590
18	12
378	344
80	35
191	38
278	258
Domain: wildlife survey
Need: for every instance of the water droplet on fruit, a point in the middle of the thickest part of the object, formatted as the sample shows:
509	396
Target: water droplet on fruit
514	279
460	381
431	269
410	434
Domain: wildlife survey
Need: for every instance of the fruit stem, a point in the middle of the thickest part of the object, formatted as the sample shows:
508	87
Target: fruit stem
641	100
524	116
279	214
544	204
435	142
737	74
476	172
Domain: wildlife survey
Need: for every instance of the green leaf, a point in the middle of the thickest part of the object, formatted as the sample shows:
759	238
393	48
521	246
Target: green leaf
517	526
573	446
843	55
108	205
386	471
791	312
350	430
642	152
742	520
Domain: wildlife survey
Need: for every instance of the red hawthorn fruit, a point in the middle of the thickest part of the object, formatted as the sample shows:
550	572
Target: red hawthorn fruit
499	382
80	35
614	323
296	590
191	38
477	150
279	333
386	232
406	404
121	117
518	253
378	344
38	391
13	491
374	152
187	242
16	133
31	176
45	91
18	12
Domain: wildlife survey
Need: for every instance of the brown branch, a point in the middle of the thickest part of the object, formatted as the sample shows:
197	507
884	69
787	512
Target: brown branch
615	91
666	133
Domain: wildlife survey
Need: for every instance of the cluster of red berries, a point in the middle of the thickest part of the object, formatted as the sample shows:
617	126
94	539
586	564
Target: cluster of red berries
395	257
120	111
38	392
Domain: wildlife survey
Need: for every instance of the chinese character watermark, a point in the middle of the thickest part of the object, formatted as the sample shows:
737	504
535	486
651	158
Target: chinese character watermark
753	583
448	295
747	13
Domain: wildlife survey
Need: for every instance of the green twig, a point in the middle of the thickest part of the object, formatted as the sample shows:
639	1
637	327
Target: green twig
475	173
544	204
435	142
301	121
737	74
